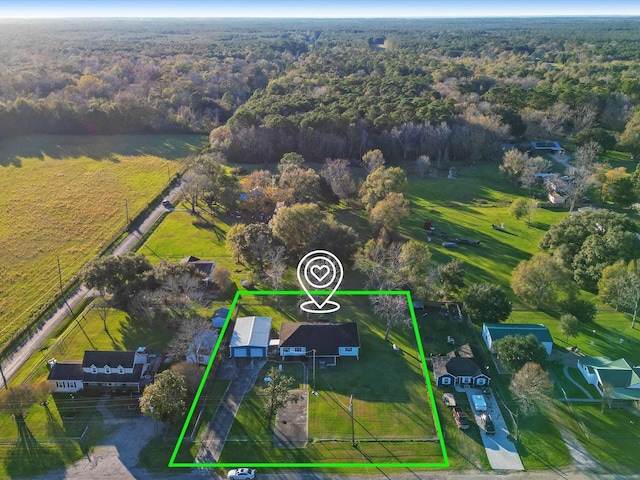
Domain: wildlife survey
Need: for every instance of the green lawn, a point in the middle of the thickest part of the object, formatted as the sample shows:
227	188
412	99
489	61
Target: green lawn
393	419
64	199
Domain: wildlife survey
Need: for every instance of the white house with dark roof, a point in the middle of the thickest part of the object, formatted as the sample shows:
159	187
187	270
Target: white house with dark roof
495	331
250	338
320	339
104	370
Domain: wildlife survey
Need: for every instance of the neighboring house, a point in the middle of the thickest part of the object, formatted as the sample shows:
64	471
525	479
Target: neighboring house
458	368
556	198
495	331
620	375
322	340
65	376
219	317
250	337
104	370
202	346
205	266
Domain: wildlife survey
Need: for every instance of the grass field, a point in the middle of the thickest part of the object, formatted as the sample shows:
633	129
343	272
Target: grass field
64	198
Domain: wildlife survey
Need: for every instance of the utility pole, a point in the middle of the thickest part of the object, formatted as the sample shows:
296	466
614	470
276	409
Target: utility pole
314	369
61	288
126	206
60	275
353	433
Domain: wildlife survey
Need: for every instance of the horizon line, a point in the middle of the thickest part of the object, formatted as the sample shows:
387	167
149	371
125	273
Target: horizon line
234	17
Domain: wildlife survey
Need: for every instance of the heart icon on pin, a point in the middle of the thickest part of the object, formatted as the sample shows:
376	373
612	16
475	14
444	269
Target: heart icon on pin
320	272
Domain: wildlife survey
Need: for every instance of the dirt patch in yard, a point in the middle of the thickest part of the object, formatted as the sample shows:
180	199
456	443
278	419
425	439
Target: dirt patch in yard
291	429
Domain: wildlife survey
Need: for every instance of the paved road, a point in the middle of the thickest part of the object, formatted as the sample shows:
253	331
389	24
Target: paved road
15	361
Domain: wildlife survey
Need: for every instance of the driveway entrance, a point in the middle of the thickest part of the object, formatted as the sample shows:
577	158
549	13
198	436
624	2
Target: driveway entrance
501	451
243	374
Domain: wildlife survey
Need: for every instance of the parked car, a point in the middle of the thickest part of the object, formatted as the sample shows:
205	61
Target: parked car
487	422
458	412
460	417
167	204
242	474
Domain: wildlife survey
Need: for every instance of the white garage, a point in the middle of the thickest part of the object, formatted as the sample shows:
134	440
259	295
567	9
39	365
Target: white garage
250	338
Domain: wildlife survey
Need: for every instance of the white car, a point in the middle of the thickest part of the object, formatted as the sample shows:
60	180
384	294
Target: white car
242	474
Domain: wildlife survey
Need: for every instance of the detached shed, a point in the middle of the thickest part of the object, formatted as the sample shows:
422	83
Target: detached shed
250	338
494	331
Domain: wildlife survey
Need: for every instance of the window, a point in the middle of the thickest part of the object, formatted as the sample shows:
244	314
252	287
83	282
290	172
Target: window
481	381
297	349
94	369
348	349
107	369
120	369
286	349
446	381
465	379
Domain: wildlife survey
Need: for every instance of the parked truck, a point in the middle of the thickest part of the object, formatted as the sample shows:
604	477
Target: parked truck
479	403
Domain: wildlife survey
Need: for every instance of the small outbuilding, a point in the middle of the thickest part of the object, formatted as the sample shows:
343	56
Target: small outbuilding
495	331
219	317
250	338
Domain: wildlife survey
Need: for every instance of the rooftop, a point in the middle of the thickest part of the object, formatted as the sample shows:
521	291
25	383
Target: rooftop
251	331
498	331
325	338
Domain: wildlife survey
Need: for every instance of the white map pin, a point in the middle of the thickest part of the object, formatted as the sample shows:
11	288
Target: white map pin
320	270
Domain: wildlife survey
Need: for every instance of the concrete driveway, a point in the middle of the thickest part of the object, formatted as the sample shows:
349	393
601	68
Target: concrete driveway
243	374
501	451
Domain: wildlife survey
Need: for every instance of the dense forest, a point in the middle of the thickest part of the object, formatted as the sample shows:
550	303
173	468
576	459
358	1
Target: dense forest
450	89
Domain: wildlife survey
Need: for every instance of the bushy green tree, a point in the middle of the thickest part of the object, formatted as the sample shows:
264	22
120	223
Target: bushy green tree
486	303
538	279
514	351
289	161
389	212
166	398
380	183
118	275
569	325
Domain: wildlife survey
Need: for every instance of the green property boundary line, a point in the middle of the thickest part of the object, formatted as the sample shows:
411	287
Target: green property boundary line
444	464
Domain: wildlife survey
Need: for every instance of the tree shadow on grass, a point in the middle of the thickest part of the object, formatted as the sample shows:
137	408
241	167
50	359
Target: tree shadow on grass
29	457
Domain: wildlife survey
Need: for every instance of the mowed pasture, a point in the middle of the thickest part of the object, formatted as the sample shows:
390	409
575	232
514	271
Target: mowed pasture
66	198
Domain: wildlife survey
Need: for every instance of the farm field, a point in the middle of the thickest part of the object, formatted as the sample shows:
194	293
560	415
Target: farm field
65	198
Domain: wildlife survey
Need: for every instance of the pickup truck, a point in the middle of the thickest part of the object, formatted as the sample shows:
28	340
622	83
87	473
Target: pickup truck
479	403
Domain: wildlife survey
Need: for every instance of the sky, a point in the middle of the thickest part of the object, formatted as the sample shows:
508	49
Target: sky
314	8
